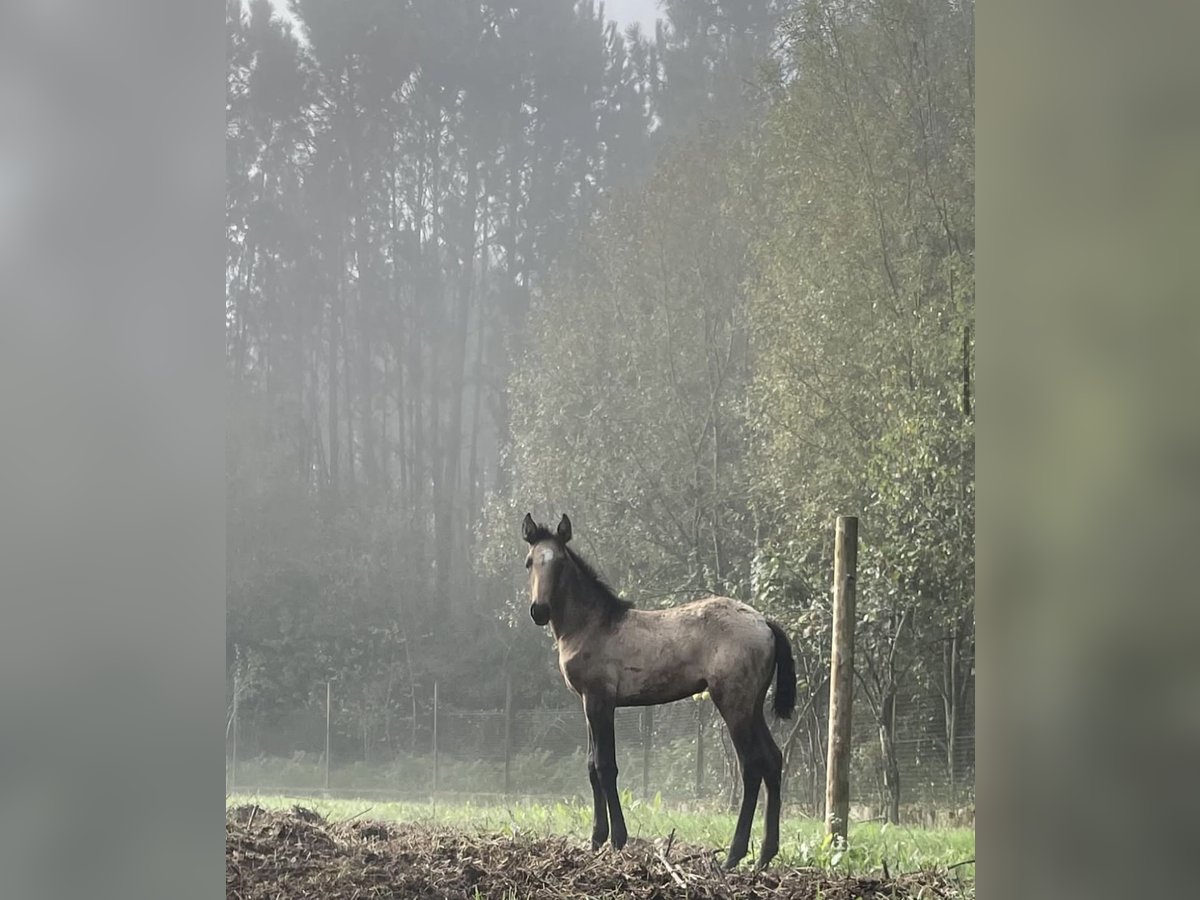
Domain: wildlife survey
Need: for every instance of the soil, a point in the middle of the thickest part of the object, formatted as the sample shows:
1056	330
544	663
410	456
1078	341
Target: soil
298	853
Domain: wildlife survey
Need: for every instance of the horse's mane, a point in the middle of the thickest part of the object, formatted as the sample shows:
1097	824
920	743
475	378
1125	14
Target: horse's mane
614	607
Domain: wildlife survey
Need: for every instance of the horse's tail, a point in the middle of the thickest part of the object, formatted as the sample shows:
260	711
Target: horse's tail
785	673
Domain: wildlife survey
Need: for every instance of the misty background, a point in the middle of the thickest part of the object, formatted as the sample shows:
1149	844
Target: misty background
703	286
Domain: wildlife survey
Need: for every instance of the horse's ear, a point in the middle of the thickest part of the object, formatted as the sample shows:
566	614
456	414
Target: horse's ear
564	529
528	528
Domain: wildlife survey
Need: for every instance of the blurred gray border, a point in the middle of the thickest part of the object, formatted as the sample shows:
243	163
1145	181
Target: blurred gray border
1089	334
111	449
111	526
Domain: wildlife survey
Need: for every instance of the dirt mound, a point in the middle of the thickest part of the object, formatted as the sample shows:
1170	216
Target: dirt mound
300	854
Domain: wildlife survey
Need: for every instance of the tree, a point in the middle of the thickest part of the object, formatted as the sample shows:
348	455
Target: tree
627	400
714	54
400	177
862	326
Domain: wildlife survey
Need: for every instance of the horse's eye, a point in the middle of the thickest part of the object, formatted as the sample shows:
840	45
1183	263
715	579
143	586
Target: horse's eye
528	561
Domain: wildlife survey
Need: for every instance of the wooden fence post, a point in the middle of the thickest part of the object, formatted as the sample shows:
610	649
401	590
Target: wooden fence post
508	719
841	678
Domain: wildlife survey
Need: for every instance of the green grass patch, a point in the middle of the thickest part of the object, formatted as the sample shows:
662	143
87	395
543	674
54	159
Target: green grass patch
802	843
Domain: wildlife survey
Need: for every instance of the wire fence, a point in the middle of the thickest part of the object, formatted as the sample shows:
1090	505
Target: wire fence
679	751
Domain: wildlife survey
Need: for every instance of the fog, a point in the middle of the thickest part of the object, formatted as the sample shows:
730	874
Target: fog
489	259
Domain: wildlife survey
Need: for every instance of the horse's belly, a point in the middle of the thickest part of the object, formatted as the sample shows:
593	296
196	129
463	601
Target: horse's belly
651	683
650	694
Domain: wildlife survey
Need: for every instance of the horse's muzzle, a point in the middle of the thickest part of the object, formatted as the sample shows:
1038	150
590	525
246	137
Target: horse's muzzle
540	613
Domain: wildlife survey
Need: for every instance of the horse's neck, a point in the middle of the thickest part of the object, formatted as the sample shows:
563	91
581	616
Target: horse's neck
578	611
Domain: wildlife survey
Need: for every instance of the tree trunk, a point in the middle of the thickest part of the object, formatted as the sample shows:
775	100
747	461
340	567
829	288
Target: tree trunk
891	767
332	387
449	541
364	295
473	470
362	254
347	391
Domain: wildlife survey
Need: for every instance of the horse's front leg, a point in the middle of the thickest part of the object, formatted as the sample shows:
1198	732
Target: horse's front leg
599	808
600	711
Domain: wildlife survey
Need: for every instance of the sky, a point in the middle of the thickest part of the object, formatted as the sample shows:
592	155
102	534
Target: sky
628	11
624	12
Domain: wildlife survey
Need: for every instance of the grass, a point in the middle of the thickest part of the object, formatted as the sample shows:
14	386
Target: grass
870	845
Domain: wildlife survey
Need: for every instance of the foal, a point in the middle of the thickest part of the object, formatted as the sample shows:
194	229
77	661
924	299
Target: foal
611	655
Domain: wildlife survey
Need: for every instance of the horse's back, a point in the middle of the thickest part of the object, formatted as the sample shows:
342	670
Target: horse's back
732	620
736	634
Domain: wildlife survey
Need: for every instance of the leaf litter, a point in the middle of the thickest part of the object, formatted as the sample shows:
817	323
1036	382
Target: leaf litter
300	854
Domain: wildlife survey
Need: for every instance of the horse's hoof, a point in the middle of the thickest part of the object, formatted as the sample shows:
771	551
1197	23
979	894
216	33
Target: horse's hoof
618	841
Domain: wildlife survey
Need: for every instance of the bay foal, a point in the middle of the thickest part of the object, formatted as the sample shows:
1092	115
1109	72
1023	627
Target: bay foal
611	655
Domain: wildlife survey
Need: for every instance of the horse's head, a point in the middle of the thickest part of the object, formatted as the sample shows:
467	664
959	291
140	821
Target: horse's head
546	560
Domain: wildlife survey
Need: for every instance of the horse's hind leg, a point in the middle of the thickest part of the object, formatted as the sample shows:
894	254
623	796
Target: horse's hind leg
751	779
745	741
772	763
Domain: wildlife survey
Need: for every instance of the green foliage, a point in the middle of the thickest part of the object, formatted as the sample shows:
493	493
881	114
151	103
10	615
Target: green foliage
862	329
626	406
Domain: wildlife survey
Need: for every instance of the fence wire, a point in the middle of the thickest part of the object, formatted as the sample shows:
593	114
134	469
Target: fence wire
680	752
